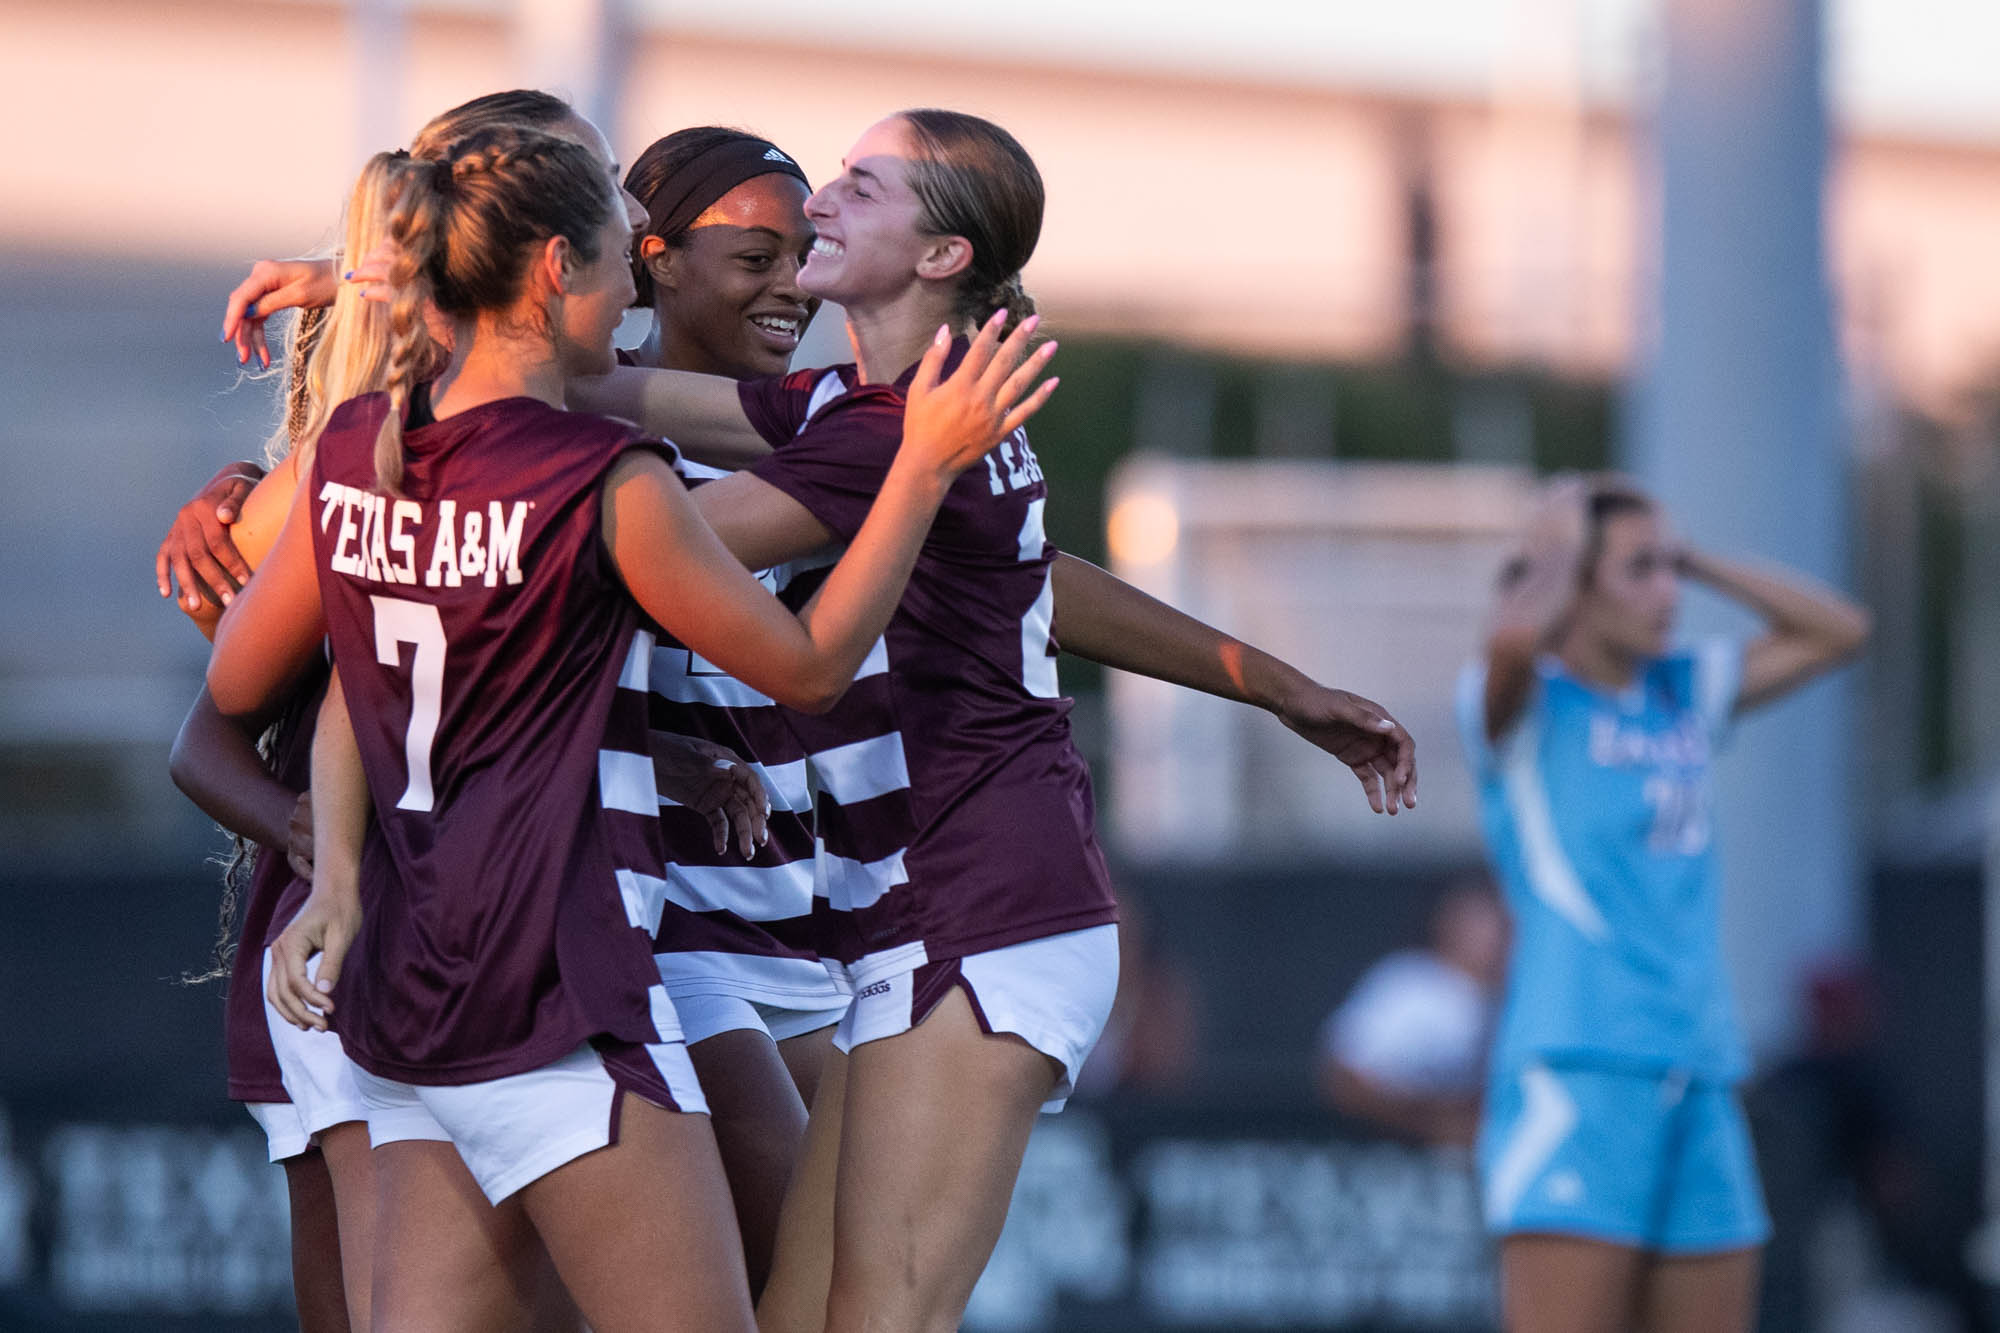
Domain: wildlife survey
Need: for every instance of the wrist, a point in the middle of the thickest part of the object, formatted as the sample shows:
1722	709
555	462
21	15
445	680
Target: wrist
334	882
925	479
1694	563
1272	685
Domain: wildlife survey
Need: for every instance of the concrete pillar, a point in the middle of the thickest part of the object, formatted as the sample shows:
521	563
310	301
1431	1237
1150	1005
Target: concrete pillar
1736	426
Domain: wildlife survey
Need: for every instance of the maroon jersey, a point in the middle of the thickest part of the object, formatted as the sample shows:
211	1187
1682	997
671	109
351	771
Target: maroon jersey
275	895
495	669
955	814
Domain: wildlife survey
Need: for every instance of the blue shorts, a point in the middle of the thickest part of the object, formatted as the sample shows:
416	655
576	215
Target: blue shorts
1650	1160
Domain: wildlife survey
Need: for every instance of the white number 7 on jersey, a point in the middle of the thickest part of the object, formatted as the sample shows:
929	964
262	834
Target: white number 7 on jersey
398	622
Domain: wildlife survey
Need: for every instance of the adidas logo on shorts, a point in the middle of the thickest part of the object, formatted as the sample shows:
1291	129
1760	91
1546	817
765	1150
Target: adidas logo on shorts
879	988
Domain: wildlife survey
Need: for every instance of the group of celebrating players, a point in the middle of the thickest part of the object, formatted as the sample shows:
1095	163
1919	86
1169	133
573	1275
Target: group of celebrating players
698	896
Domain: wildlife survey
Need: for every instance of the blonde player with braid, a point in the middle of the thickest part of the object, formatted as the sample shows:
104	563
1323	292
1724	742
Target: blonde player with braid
299	1085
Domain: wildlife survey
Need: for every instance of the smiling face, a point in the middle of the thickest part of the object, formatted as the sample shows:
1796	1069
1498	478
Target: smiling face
869	242
728	297
1633	592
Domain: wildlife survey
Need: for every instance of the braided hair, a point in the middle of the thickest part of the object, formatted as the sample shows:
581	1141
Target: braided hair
465	228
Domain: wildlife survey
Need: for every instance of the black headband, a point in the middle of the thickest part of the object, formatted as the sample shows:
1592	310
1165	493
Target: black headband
713	173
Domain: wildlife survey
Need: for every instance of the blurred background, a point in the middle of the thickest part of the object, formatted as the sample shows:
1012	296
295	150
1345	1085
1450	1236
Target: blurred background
1335	283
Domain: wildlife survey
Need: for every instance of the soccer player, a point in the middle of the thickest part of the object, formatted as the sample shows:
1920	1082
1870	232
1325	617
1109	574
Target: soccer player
1615	1160
299	1084
717	265
969	908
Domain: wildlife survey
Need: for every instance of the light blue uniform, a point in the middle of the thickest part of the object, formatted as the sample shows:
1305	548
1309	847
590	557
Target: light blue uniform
1612	1112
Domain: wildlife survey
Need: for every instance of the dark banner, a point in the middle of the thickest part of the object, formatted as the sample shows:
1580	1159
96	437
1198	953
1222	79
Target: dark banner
1210	1217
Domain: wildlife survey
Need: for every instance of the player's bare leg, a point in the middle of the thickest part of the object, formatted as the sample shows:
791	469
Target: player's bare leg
640	1230
760	1124
937	1120
805	1056
1709	1293
316	1274
794	1299
449	1260
350	1165
1565	1284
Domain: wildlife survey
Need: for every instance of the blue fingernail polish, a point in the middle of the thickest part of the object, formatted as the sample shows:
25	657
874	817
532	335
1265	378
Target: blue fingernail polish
223	338
250	311
347	276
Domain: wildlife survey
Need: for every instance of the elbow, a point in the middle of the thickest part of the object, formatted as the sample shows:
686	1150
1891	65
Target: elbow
816	696
181	765
235	698
818	687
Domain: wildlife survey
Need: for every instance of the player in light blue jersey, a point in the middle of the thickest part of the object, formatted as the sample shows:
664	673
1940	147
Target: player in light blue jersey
1615	1160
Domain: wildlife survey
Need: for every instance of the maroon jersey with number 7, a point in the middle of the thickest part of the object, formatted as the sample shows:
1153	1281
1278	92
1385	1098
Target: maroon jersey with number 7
494	666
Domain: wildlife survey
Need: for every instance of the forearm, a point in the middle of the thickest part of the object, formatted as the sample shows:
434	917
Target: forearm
340	804
853	607
701	414
1787	603
1100	617
216	764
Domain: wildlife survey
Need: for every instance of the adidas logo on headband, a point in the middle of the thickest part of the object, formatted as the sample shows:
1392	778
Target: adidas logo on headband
773	155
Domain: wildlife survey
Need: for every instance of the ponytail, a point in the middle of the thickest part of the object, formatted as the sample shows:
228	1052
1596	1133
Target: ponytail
415	226
1011	297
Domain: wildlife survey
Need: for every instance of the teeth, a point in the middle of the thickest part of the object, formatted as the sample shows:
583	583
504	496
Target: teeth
776	324
831	249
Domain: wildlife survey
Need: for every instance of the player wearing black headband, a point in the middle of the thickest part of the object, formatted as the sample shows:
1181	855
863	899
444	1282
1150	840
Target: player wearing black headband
718	262
718	265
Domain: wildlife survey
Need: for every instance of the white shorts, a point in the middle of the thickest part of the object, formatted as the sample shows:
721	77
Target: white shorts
1054	993
284	1128
514	1130
318	1077
705	1016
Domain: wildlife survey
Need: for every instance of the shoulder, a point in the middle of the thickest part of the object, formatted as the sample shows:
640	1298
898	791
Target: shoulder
350	430
779	405
1703	677
862	427
363	412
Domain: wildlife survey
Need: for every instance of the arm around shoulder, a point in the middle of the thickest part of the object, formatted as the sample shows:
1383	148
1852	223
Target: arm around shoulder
702	414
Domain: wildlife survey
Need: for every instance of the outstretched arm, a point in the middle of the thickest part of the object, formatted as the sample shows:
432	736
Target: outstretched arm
1536	595
1808	629
1101	617
701	414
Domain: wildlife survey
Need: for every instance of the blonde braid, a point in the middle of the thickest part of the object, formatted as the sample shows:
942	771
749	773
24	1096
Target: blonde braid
416	226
